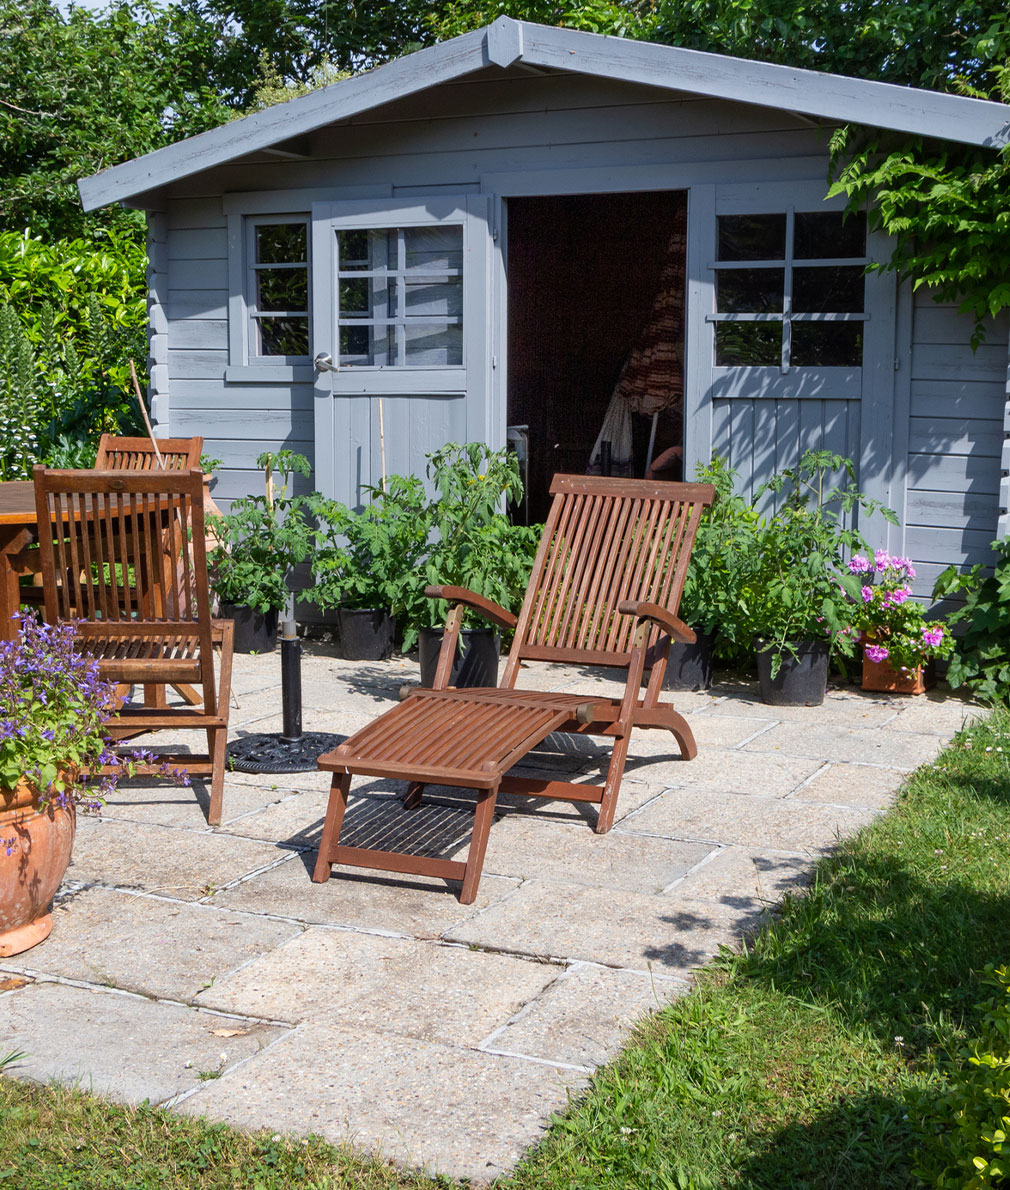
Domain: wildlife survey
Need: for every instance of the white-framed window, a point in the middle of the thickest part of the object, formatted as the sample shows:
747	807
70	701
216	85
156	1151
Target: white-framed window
278	289
399	299
270	294
790	289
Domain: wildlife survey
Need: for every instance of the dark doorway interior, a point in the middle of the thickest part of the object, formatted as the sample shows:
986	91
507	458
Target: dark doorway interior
583	273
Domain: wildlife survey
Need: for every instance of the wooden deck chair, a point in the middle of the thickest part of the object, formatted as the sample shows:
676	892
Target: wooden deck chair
604	590
102	537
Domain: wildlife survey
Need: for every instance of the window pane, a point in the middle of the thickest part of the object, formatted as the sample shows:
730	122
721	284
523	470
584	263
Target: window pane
282	289
372	249
281	243
367	346
752	237
826	234
828	290
433	344
749	291
283	336
365	297
433	249
748	344
424	295
827	344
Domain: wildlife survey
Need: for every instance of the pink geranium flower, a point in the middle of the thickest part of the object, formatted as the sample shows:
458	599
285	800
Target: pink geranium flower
934	635
876	652
859	564
867	594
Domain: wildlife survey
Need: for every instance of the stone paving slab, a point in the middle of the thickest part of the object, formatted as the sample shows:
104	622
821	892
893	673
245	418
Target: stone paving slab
725	770
187	865
791	825
583	1016
457	996
142	944
411	906
130	1047
669	933
159	804
832	741
575	854
853	785
746	877
421	1103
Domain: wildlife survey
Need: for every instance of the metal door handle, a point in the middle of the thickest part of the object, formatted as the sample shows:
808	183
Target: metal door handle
324	362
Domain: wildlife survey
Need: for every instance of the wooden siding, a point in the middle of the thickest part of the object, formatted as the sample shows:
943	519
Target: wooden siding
957	405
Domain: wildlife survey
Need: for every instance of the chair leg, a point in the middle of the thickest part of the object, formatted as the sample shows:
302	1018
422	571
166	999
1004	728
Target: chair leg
482	819
612	785
339	789
217	743
412	798
676	724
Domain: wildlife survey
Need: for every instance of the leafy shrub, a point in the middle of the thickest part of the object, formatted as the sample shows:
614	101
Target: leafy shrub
981	659
367	558
711	600
72	314
963	1130
261	538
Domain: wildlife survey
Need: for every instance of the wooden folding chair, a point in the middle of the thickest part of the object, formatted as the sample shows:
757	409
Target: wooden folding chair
129	454
604	590
138	454
102	538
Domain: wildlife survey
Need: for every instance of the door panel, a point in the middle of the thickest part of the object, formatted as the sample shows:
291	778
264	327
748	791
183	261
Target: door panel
400	325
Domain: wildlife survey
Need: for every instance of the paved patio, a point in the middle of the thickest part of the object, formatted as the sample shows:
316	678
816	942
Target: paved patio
380	1011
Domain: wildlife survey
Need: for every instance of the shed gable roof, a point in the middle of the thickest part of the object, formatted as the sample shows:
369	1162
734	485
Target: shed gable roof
506	42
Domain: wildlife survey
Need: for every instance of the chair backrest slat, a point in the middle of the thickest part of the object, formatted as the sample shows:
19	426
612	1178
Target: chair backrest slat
124	547
605	541
137	454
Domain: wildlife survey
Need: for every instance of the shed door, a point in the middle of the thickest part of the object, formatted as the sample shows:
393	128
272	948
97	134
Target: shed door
800	338
400	335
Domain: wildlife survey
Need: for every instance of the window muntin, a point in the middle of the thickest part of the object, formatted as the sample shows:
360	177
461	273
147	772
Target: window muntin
278	299
790	290
400	297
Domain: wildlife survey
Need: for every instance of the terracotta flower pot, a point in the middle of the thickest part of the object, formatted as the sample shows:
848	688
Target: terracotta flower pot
882	675
39	844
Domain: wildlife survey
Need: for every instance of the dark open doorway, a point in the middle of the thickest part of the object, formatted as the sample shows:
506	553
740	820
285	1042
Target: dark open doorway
583	275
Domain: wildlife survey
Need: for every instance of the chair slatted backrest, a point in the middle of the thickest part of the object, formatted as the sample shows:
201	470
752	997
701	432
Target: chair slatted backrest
125	548
137	454
605	541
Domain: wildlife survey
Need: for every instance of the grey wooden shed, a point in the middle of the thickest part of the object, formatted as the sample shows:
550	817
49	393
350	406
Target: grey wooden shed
473	235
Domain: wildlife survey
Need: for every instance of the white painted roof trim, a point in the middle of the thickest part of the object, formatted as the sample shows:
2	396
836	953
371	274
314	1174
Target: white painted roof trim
505	42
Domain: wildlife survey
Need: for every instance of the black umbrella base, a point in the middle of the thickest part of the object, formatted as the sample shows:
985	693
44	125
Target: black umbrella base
274	754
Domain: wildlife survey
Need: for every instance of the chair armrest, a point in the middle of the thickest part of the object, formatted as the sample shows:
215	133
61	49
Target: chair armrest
490	611
666	620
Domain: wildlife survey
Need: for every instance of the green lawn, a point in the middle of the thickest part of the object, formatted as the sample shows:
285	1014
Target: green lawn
787	1067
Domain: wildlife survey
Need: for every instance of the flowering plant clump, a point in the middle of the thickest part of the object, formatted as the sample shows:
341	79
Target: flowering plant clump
52	708
892	624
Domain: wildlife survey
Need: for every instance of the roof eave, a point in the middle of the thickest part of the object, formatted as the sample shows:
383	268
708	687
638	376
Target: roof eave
827	96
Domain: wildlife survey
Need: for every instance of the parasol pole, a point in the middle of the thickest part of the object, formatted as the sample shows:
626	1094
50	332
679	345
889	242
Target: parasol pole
143	411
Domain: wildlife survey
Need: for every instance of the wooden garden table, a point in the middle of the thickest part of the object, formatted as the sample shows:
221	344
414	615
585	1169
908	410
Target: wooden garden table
18	530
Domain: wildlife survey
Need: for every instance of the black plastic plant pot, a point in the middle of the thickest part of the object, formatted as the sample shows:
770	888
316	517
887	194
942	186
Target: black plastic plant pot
255	632
801	680
366	634
476	660
689	667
